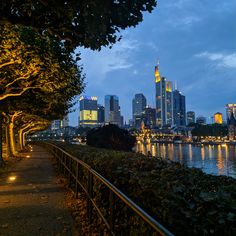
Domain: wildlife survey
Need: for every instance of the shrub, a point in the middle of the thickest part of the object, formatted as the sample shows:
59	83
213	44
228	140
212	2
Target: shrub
110	137
185	200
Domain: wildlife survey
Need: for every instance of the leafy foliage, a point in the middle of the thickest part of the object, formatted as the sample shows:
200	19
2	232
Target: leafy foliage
79	23
31	61
210	130
111	137
185	200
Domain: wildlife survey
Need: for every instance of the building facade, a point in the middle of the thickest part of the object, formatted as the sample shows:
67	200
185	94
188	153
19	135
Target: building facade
179	109
164	100
88	111
101	115
201	120
190	117
231	124
218	118
138	104
59	124
150	117
112	110
230	108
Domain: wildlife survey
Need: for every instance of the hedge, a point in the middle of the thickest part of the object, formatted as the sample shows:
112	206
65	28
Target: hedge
185	200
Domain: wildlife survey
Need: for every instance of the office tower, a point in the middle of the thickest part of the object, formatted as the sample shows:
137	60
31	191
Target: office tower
201	120
101	115
121	121
88	111
218	118
231	124
112	110
139	103
179	109
230	109
190	117
150	117
164	113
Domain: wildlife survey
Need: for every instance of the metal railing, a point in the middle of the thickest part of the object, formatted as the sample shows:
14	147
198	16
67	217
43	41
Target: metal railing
119	214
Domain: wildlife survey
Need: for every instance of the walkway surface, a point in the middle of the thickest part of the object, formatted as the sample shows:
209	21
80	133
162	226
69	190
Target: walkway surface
31	201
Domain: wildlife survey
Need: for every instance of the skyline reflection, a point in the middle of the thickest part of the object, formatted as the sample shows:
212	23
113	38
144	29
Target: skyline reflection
212	159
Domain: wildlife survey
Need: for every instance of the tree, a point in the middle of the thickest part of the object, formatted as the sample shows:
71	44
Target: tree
40	67
88	23
31	61
111	137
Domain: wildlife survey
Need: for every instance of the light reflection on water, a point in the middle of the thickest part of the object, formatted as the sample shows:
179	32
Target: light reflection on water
212	159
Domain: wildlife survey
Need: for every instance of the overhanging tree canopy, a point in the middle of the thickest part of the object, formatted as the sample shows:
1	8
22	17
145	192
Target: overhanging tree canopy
88	23
31	61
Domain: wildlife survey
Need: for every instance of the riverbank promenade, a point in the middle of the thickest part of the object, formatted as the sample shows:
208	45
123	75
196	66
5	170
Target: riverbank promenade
32	202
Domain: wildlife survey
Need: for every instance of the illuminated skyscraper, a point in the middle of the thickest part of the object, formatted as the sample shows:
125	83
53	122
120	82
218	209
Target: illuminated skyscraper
139	103
218	118
164	106
112	110
179	110
88	111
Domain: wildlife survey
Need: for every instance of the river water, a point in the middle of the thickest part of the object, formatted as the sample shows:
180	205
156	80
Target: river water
212	159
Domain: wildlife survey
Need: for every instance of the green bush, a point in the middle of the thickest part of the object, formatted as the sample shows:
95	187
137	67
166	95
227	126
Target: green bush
185	200
110	137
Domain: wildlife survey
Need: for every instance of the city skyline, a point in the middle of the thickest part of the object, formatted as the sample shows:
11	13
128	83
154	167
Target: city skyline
195	45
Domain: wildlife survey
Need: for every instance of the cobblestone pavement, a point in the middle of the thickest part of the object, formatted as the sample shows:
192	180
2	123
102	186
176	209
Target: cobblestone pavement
32	202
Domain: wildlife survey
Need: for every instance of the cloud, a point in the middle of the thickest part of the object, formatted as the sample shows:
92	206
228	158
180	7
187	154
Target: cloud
177	4
98	64
221	59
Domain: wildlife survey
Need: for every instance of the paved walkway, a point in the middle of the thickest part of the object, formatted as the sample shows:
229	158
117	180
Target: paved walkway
31	201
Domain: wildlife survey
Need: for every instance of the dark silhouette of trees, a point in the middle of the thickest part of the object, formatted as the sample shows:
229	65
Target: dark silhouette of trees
111	137
209	130
91	24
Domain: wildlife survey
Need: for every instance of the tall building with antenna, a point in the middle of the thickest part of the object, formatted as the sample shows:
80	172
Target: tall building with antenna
164	100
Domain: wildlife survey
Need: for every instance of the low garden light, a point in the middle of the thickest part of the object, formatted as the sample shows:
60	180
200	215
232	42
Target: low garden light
12	178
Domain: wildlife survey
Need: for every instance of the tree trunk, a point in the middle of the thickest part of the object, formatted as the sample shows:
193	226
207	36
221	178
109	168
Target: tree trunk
8	146
1	158
23	139
20	139
12	138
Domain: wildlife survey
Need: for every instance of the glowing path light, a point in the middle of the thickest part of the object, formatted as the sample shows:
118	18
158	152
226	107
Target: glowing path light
12	178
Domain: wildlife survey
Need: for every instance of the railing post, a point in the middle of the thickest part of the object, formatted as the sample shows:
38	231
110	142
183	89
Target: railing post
111	211
77	178
90	193
70	172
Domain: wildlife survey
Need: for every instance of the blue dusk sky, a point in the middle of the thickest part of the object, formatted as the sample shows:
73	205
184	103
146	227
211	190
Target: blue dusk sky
195	42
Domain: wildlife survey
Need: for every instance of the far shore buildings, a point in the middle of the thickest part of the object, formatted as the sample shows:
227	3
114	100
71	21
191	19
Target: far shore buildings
112	110
60	124
218	118
179	109
164	100
88	116
230	108
190	117
231	123
201	120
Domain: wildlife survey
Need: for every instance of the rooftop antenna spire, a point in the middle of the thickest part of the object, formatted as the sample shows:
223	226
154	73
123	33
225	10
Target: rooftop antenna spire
175	85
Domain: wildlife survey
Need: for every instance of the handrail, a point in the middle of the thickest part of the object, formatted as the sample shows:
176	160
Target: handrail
60	154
